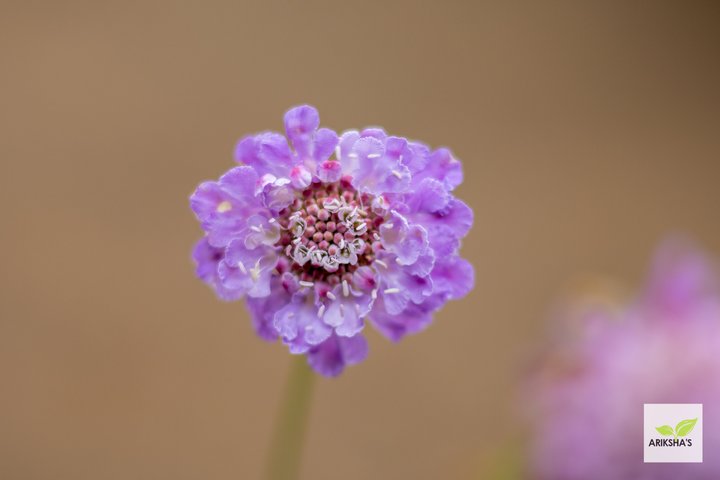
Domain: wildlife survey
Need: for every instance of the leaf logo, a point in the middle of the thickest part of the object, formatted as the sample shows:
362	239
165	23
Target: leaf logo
682	429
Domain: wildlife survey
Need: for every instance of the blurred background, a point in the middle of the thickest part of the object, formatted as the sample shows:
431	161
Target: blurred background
588	131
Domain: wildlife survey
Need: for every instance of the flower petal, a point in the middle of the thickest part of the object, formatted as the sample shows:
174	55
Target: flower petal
346	312
453	276
330	171
682	278
299	325
325	142
331	357
406	241
261	231
300	125
413	319
429	196
266	153
442	166
247	269
207	258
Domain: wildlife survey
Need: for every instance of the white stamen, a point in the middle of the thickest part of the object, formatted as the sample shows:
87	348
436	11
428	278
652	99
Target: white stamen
321	311
374	155
242	268
373	294
391	290
256	229
272	220
297	224
255	271
301	254
376	236
333	205
344	213
360	228
331	296
330	264
357	245
379	205
380	262
397	174
357	309
342	310
346	289
388	225
303	283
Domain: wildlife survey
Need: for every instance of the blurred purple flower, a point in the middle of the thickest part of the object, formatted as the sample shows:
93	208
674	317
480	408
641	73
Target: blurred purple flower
586	401
323	233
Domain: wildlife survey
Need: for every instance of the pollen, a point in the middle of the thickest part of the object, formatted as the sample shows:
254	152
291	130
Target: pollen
224	206
327	234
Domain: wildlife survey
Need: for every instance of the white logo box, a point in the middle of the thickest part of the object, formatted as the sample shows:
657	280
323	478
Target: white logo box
659	414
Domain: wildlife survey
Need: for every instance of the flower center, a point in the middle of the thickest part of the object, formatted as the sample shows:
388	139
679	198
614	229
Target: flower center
329	231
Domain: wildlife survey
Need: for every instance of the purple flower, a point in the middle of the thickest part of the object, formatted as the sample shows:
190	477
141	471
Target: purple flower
322	234
586	401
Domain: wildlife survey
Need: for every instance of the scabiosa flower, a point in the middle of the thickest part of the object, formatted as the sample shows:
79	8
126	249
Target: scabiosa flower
322	234
587	399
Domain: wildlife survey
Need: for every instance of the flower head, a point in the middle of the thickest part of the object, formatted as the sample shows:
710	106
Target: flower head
587	399
322	234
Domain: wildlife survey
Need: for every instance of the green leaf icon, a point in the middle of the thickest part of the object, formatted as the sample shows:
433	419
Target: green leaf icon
665	430
684	428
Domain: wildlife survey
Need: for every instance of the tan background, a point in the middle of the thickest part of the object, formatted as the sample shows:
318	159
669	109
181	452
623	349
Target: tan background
588	130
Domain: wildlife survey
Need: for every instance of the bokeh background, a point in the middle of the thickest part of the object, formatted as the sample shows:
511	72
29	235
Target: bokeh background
588	131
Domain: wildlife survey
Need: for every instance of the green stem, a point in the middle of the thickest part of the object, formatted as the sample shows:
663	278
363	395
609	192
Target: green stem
286	448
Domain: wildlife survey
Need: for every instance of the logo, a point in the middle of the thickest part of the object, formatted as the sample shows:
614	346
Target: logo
667	444
682	429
